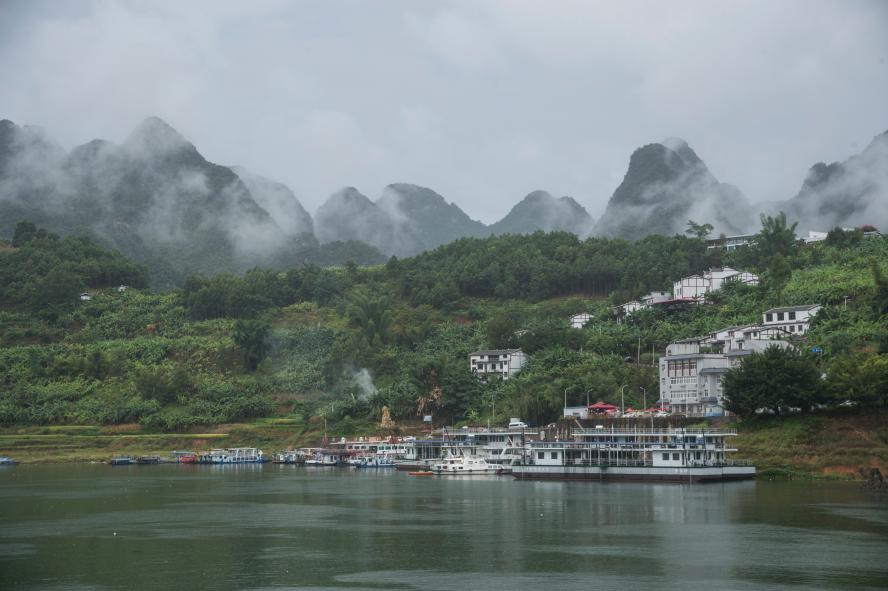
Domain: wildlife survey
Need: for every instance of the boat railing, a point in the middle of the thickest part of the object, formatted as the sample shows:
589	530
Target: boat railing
605	462
715	431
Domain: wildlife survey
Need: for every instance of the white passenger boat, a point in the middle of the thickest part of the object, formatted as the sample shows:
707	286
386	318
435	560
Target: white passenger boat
234	455
372	461
464	464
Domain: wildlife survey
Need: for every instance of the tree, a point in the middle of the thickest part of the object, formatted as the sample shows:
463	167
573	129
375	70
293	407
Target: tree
501	331
371	315
776	237
25	231
777	274
251	337
860	378
773	380
700	231
880	295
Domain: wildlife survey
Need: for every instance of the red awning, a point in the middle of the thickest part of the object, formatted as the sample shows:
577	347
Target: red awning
602	406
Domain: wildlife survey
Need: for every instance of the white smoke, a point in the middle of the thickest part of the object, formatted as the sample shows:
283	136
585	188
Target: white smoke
364	381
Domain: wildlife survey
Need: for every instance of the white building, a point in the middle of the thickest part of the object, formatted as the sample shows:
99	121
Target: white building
580	320
792	319
646	301
576	412
690	378
656	297
696	287
731	242
815	236
504	363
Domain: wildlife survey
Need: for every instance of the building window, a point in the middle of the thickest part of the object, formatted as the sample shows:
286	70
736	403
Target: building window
792	328
791	315
779	316
675	457
554	455
769	317
800	328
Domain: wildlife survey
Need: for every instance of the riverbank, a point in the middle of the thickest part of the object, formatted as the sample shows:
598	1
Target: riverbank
835	446
88	443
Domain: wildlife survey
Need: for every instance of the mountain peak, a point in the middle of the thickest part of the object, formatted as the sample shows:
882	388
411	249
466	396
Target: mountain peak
156	136
540	211
665	185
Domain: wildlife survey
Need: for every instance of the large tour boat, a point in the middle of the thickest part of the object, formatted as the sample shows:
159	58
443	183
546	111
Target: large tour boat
678	455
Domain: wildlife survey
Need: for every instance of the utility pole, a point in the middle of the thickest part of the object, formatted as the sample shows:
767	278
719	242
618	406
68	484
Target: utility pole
638	358
622	399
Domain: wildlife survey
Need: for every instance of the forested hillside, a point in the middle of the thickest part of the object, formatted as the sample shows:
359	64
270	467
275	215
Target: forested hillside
344	342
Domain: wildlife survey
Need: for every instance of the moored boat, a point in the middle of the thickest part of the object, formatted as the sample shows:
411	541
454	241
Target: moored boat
289	457
463	464
234	455
676	455
7	461
122	461
184	457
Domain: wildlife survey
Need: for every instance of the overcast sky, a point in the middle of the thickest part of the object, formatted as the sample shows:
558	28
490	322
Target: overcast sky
483	101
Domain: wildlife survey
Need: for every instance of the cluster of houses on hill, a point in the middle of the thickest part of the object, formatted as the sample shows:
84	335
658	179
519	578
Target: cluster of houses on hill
691	371
687	290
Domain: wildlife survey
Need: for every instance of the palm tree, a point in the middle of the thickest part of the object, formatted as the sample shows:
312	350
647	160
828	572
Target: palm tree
371	314
775	236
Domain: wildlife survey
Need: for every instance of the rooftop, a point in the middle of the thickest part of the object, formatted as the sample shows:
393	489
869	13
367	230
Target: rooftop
495	352
793	308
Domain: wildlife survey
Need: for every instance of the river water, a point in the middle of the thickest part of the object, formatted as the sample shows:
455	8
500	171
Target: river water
82	527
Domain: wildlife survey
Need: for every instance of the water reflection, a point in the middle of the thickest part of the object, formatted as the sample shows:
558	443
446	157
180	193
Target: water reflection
252	527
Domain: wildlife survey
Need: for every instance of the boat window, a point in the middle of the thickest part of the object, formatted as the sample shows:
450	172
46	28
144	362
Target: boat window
675	457
665	456
541	455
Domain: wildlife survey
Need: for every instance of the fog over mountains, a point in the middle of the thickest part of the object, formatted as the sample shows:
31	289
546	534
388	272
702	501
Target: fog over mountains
159	201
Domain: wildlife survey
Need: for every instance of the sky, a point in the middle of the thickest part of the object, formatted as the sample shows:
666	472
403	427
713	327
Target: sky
483	101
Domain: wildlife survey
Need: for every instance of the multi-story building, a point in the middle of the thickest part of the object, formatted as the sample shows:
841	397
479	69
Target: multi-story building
792	319
504	363
690	377
691	372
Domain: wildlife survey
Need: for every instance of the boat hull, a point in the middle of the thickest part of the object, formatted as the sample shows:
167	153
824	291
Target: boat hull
599	474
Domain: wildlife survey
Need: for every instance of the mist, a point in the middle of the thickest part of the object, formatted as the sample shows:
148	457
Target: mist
482	101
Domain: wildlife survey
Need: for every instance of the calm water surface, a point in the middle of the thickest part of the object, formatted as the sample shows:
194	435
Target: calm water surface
279	527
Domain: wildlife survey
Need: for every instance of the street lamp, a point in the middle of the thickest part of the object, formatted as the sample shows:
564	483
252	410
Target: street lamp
645	393
622	400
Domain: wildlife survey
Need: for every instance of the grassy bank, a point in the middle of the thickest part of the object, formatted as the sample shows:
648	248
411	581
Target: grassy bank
88	443
815	446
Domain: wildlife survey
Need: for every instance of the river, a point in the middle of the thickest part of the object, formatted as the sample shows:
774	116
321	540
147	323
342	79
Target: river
78	527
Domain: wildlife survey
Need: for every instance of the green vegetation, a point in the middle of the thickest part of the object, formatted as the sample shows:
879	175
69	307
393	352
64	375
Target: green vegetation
341	343
775	380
